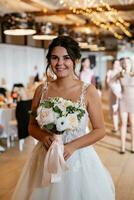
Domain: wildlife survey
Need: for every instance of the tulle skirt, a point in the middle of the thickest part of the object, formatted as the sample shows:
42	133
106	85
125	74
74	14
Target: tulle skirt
86	178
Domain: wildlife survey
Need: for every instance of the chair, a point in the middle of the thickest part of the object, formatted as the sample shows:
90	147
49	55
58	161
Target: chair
22	117
12	132
9	130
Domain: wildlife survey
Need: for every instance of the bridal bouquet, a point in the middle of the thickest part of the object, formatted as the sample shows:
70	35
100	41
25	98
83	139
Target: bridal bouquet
57	115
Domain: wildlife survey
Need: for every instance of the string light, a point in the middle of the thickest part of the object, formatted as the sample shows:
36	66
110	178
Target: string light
110	13
118	20
101	24
76	3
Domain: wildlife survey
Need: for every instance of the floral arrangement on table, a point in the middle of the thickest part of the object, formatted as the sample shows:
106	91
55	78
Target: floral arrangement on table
57	115
2	101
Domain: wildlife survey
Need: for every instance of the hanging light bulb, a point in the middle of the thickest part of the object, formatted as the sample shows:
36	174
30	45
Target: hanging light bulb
45	32
18	24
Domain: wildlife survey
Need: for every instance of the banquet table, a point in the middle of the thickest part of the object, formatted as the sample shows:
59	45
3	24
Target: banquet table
6	116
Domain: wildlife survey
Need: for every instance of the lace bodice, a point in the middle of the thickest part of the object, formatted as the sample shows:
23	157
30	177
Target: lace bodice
81	128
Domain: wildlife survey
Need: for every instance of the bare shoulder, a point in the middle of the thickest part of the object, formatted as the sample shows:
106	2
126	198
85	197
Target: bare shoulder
38	90
91	91
37	96
92	96
94	107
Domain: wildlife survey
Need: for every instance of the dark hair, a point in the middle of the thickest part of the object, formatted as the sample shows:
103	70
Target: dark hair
98	83
69	44
128	58
113	61
121	59
82	61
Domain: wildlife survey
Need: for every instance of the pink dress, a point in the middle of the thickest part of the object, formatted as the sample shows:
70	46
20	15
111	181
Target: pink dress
114	91
127	100
87	76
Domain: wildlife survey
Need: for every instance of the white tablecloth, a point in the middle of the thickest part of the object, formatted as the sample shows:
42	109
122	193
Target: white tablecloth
6	116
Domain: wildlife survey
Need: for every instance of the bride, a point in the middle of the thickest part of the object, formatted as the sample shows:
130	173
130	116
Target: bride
86	177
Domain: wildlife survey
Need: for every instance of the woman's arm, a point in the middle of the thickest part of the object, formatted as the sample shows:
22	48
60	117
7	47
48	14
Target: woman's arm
116	75
33	127
97	122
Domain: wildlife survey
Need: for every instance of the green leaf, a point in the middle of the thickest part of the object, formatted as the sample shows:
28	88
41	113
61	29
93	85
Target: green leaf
71	109
81	114
47	104
57	110
50	126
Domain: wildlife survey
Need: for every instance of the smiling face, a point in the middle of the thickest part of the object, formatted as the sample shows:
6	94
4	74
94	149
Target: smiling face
61	63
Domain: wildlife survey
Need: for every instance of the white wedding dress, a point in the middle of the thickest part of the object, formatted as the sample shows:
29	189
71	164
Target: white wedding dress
86	178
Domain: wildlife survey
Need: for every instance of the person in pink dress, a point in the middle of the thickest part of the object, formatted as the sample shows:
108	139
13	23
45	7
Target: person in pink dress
114	93
127	102
86	73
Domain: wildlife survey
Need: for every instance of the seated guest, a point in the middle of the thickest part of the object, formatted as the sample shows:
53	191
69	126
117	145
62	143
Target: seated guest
22	115
3	91
15	91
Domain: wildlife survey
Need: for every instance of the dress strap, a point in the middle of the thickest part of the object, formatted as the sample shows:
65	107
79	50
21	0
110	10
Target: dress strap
44	90
83	93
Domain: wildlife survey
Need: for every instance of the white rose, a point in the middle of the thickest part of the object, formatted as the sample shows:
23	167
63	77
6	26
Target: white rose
72	121
45	116
61	99
56	116
62	107
77	105
69	103
62	124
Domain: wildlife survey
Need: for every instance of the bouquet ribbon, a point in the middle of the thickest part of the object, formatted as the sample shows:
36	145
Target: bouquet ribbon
54	163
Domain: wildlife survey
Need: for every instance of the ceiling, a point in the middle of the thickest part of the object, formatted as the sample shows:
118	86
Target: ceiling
96	18
39	5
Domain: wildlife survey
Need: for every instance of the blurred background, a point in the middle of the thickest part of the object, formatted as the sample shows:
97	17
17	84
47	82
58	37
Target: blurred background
104	31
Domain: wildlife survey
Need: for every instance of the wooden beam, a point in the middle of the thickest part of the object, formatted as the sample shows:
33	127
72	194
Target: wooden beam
35	4
127	7
50	13
44	11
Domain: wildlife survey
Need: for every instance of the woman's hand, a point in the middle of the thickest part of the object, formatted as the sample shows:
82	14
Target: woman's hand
68	150
48	139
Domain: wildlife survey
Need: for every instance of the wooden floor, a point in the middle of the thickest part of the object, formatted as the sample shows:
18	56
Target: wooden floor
121	167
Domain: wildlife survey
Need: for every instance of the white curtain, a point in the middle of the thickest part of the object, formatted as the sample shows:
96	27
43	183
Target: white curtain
17	63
